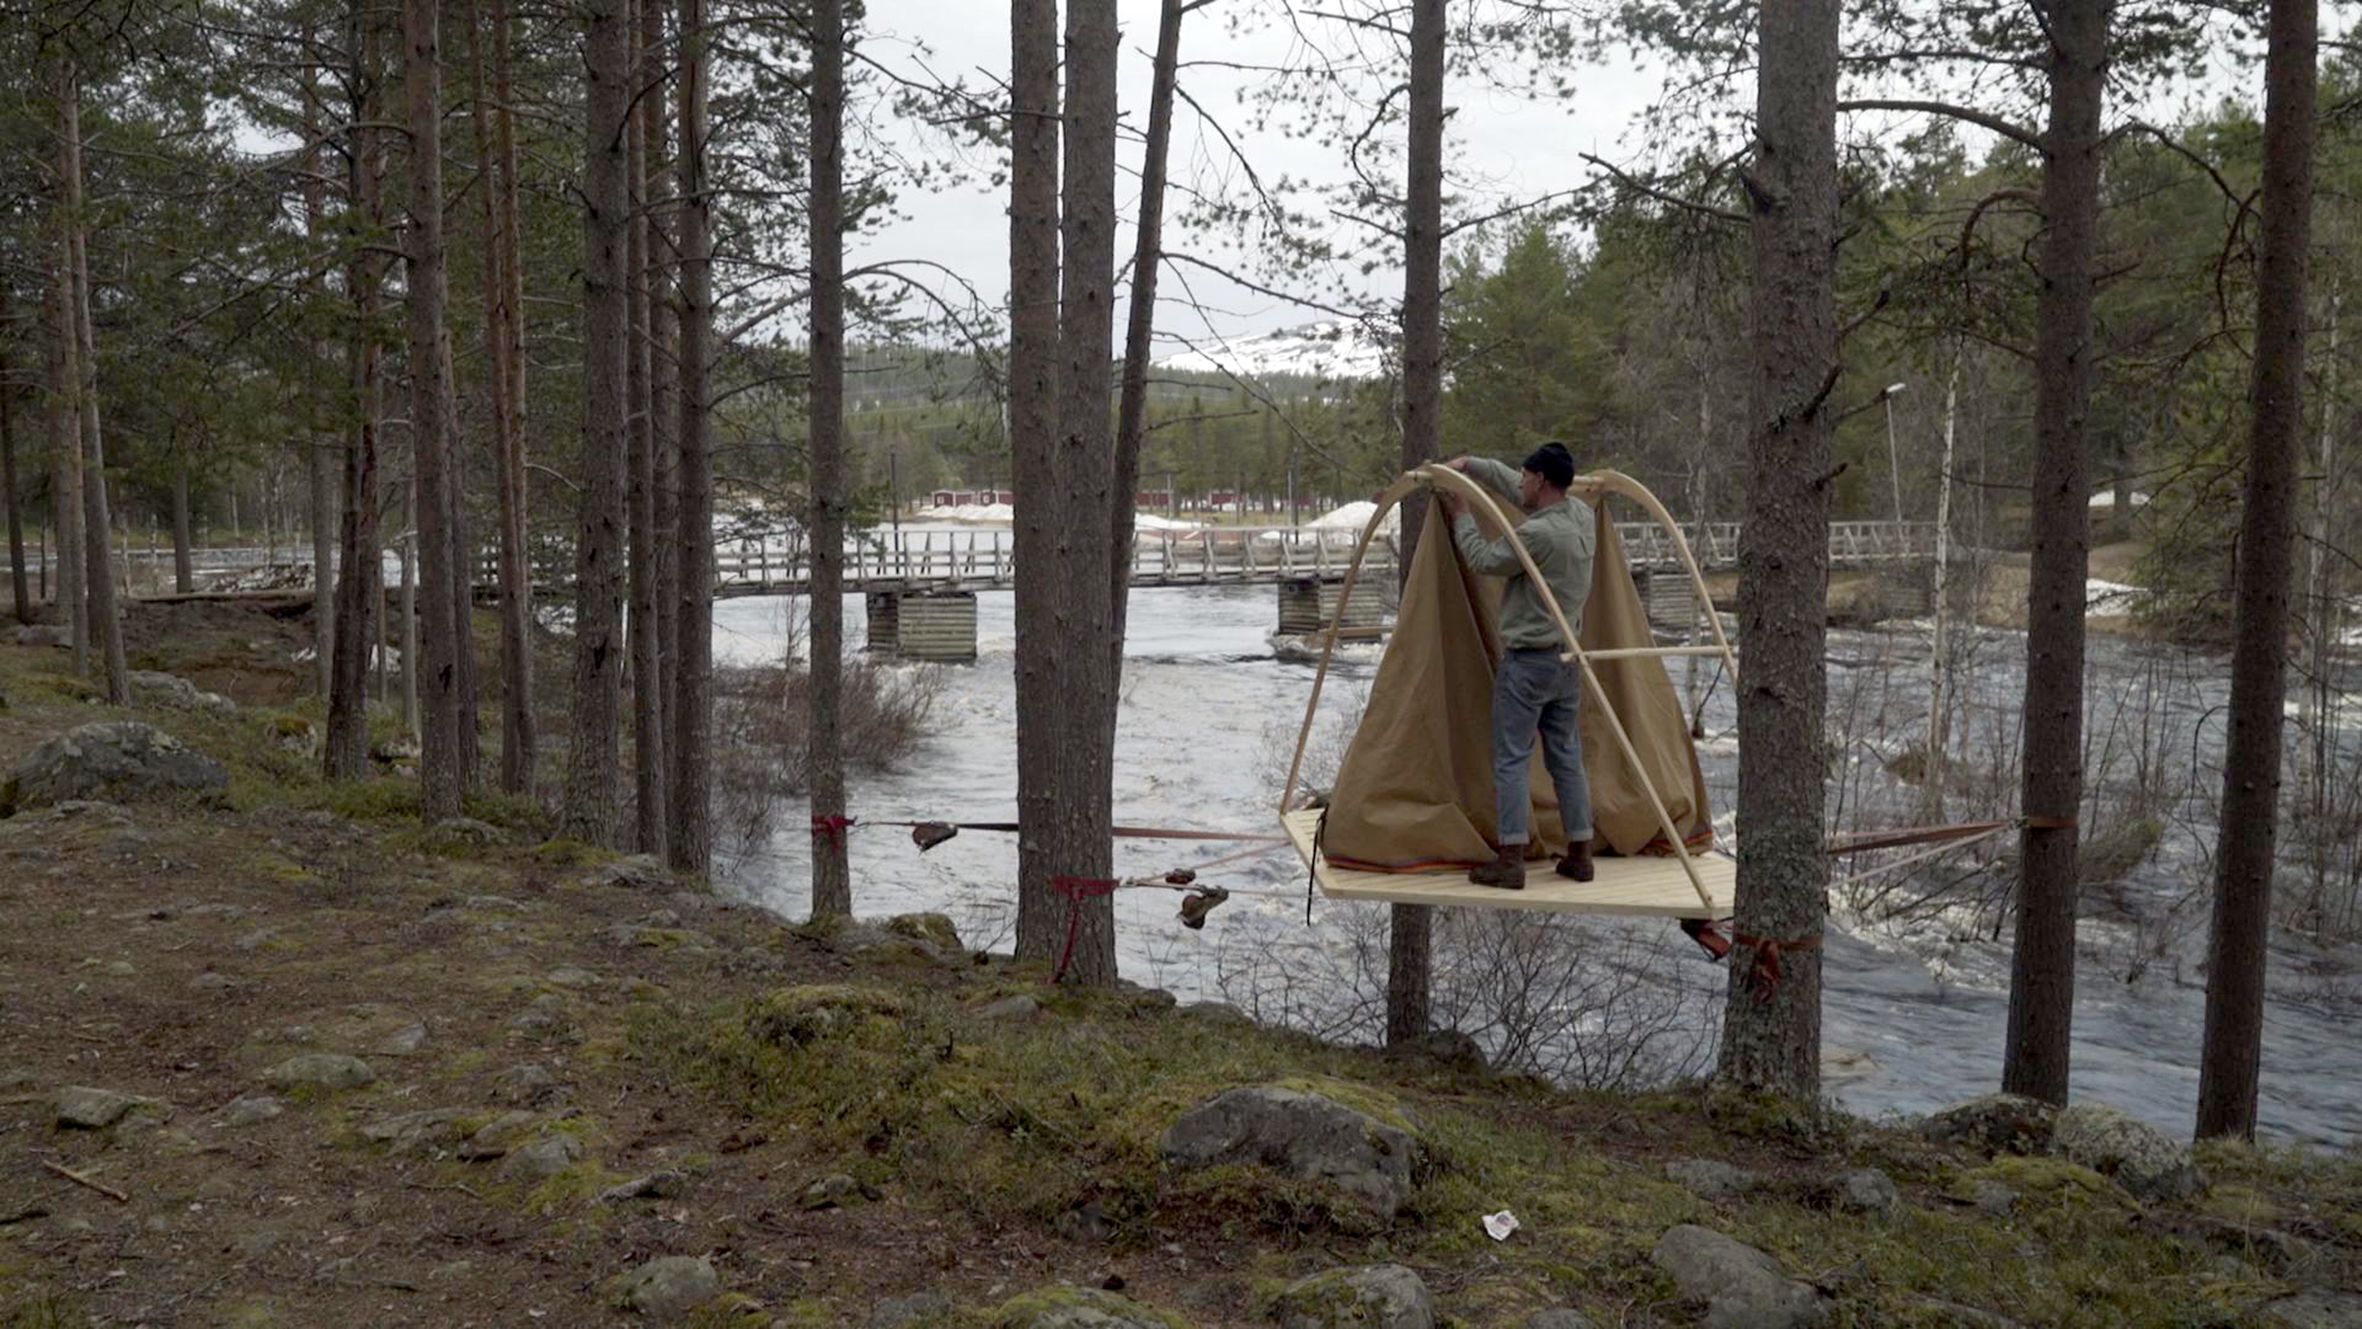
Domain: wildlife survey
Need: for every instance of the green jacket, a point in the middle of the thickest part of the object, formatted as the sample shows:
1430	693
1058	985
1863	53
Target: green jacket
1560	539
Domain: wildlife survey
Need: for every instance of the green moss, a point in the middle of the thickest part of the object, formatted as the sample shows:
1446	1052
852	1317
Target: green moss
45	1313
1043	1308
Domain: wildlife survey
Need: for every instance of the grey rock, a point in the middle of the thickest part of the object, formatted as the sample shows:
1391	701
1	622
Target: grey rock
454	833
917	1311
376	1030
496	904
1449	1049
117	758
654	1186
569	976
1087	1223
329	1070
211	981
544	1158
1018	1008
1993	1198
501	1134
1558	1317
122	968
671	1286
1868	1191
254	1242
417	1132
2315	1308
1380	1296
1940	1314
530	1083
1303	1135
1740	1286
1995	1123
252	1110
257	939
543	1017
636	872
81	1107
834	1191
44	634
2113	1143
1215	1012
1068	1307
1710	1179
175	692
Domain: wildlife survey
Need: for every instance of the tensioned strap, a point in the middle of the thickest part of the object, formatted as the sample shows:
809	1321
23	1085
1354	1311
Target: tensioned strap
1764	975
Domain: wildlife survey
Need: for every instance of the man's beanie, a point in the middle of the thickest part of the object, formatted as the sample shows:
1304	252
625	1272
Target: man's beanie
1554	463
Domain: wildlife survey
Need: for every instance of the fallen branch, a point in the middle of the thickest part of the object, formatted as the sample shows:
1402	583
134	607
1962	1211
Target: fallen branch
81	1180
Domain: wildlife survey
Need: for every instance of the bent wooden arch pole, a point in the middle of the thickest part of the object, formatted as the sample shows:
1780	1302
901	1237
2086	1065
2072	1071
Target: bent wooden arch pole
1439	476
1616	482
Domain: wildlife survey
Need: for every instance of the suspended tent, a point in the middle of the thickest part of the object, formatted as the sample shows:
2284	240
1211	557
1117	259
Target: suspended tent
1412	808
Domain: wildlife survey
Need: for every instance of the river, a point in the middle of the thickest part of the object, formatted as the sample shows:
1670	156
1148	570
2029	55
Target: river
1914	1005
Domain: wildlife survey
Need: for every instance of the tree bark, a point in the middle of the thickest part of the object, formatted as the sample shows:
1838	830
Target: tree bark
1033	429
1771	1034
652	809
832	886
442	626
496	174
2042	978
664	409
1079	831
320	447
98	557
1410	935
184	571
64	426
692	706
592	784
360	595
2244	855
8	492
1131	429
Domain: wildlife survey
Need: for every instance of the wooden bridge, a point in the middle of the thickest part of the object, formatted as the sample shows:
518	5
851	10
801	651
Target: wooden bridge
977	560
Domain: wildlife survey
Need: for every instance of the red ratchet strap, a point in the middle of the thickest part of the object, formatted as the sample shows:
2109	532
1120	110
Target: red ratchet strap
1764	975
1076	890
832	827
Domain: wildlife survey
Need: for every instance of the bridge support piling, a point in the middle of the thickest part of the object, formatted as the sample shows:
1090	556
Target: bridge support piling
938	626
1307	605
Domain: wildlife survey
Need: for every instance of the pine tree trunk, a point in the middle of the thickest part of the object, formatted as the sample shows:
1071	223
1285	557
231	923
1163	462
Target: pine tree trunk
442	621
64	427
496	170
664	410
463	575
17	582
2042	977
652	808
184	571
692	706
592	785
320	448
1079	830
1771	1031
360	595
2244	855
1131	429
98	557
832	886
1033	431
1410	941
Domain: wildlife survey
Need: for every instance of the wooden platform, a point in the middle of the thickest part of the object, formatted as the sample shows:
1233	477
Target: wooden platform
1655	887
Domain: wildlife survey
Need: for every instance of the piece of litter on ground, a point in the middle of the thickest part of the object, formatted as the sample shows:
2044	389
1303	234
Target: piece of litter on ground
1499	1226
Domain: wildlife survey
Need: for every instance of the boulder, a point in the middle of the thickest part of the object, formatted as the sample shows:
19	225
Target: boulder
1740	1286
1066	1307
80	1107
2314	1308
1015	1010
670	1286
1558	1317
417	1132
44	634
917	1311
653	1186
934	929
252	1110
1867	1191
544	1158
1378	1296
176	693
1303	1135
1995	1123
499	1135
328	1070
634	872
116	759
834	1191
2113	1143
1445	1049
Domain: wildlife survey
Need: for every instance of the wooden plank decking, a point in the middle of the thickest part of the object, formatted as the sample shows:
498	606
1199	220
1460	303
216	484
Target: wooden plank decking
1655	887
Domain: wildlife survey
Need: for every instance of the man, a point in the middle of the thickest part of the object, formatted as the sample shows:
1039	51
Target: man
1534	690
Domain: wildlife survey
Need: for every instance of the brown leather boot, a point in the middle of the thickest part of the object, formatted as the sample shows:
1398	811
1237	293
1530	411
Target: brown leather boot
1577	862
1506	872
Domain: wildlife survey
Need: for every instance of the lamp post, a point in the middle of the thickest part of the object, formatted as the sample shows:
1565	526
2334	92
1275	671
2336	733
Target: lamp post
1894	472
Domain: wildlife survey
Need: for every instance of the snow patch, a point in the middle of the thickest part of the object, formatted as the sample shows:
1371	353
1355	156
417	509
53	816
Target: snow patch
1330	349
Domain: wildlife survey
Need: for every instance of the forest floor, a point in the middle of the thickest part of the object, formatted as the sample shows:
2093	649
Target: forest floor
574	1064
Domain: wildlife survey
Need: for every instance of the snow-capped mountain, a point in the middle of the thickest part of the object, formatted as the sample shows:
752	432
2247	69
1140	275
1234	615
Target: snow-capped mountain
1331	349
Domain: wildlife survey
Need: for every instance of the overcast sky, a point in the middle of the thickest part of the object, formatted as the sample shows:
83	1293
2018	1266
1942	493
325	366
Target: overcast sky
1501	146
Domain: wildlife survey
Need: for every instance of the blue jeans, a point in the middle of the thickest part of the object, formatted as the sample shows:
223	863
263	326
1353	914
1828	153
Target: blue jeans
1534	692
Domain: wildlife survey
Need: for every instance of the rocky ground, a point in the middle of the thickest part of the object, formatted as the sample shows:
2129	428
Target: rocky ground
271	1055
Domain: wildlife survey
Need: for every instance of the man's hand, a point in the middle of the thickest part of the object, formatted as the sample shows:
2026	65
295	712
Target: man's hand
1460	463
1453	506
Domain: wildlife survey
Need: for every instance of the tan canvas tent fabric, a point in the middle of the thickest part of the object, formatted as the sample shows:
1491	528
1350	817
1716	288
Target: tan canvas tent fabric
1416	787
